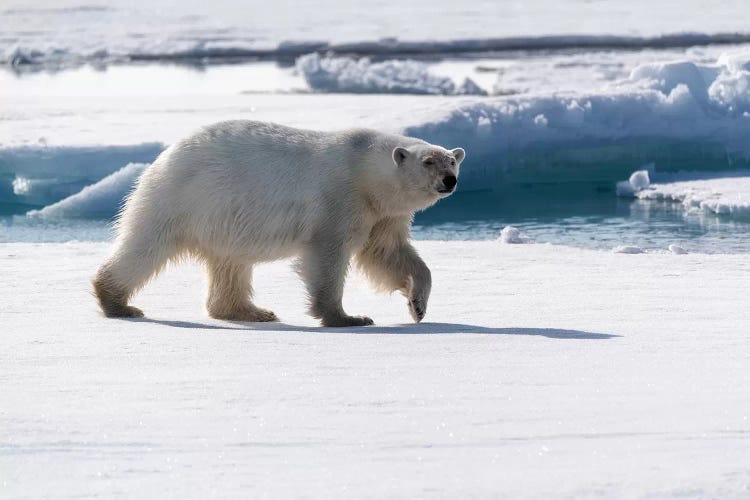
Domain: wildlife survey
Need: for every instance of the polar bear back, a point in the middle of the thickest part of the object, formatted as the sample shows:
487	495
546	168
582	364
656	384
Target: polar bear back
258	155
275	182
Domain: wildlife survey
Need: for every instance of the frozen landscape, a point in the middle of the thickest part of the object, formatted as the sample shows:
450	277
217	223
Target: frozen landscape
588	334
539	372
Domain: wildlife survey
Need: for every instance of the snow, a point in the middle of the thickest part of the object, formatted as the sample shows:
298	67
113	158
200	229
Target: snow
102	199
469	87
714	193
191	49
628	249
540	372
344	74
63	33
43	174
638	181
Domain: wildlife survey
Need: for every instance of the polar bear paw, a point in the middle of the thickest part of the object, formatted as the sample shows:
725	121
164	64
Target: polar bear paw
121	311
417	308
248	314
342	321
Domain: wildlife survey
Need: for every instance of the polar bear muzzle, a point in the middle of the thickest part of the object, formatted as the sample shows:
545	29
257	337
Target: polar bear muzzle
449	183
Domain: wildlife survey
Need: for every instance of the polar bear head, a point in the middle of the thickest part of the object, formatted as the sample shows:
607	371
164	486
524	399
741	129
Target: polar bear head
431	172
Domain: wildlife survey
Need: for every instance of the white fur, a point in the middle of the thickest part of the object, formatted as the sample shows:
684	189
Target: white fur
242	192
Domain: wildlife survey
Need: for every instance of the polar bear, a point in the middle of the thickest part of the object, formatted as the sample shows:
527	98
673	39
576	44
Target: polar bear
238	193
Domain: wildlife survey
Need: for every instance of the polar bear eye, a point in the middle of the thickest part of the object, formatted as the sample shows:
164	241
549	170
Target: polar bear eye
429	162
453	163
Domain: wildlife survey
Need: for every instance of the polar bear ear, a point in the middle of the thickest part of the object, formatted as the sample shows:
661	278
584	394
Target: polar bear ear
400	155
459	153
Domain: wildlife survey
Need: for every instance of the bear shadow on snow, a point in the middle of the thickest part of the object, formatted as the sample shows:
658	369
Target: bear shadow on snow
406	329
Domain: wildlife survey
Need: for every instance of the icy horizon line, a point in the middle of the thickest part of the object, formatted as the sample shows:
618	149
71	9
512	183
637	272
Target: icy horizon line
386	47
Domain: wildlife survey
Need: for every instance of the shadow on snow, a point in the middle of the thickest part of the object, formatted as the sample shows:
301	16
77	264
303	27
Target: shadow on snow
407	329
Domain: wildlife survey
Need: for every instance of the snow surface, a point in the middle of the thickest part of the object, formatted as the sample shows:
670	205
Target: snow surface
344	74
540	372
729	195
721	193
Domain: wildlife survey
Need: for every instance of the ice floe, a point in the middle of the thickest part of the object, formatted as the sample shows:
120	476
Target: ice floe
345	74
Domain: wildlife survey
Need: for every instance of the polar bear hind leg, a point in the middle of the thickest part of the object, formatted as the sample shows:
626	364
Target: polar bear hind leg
230	292
138	256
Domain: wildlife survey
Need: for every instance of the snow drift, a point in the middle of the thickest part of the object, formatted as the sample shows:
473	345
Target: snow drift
728	195
102	199
344	74
677	116
718	193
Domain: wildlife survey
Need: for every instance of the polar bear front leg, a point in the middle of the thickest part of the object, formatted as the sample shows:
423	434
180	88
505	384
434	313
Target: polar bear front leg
391	263
400	268
323	267
418	293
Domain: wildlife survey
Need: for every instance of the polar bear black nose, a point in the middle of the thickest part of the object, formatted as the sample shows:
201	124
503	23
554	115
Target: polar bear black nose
450	182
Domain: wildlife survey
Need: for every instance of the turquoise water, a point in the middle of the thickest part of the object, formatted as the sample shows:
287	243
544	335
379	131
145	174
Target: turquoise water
600	221
597	220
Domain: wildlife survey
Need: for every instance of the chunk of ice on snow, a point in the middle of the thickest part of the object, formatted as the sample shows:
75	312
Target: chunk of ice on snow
627	249
639	180
677	249
512	235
